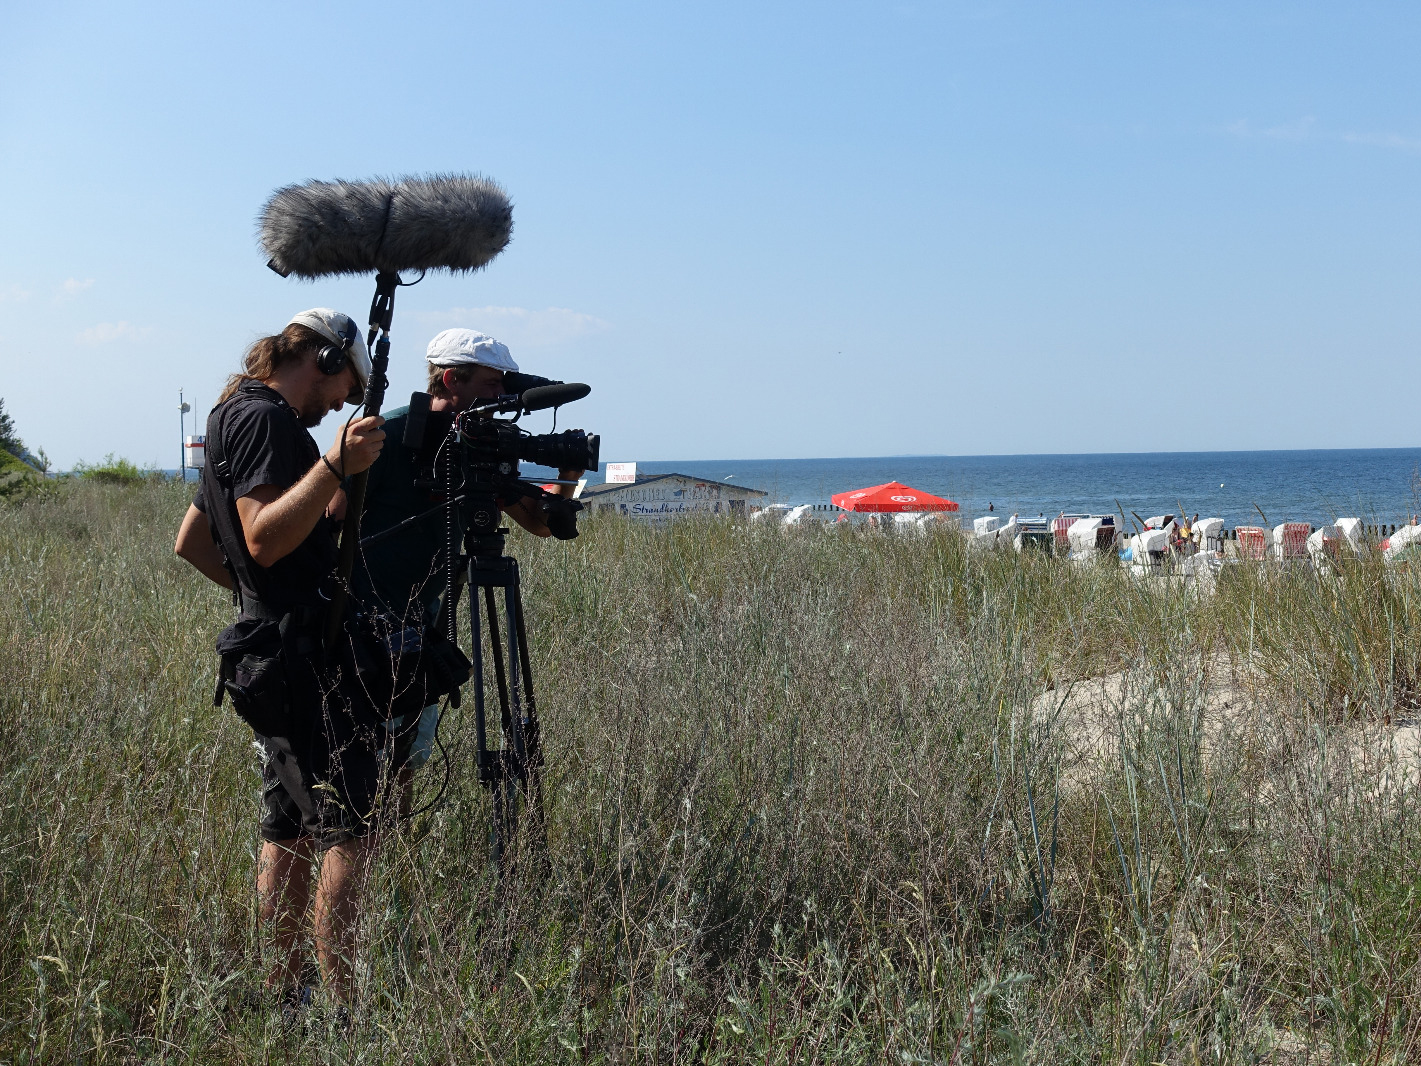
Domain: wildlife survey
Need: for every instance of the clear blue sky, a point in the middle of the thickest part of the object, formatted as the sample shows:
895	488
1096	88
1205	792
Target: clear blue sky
757	230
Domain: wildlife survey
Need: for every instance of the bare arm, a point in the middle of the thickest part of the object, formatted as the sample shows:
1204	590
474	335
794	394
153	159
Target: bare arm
566	491
276	521
195	544
529	515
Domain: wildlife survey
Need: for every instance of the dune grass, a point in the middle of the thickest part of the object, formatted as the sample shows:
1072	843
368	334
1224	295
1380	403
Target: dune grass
805	804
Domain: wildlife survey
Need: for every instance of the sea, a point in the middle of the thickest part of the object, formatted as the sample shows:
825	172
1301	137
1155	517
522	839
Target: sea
1379	485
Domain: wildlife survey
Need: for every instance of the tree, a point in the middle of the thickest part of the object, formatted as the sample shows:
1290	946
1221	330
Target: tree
9	439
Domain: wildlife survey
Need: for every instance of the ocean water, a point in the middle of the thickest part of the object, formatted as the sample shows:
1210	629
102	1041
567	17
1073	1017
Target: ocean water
1378	485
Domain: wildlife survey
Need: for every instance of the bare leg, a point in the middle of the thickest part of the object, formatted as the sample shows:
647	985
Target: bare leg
337	909
283	891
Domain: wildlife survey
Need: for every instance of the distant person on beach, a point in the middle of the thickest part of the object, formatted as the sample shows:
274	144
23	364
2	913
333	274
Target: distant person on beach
264	525
404	575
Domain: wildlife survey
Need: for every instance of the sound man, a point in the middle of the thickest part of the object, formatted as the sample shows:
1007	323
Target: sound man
264	525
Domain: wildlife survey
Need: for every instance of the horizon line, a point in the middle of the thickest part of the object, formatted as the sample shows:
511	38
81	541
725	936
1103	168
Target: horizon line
1020	455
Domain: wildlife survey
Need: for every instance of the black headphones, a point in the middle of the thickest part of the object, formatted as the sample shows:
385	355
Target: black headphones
332	359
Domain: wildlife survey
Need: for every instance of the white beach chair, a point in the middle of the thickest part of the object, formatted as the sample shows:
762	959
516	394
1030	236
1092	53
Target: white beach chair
1083	535
989	531
907	522
1148	548
1202	571
938	520
803	515
772	514
1322	545
1209	534
1399	541
1351	531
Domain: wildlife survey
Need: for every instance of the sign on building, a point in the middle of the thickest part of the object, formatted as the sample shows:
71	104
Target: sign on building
666	497
621	473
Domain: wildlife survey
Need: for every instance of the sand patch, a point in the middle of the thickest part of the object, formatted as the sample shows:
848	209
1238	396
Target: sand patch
1226	713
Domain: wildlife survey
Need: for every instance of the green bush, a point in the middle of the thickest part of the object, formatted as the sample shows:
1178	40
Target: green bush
18	480
115	471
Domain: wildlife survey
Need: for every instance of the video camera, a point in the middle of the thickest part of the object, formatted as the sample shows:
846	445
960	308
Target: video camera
473	456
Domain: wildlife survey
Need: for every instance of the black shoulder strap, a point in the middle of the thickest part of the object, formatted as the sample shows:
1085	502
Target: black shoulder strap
217	492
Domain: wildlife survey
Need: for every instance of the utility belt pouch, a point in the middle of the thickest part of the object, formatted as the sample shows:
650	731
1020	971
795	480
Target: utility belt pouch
257	685
253	673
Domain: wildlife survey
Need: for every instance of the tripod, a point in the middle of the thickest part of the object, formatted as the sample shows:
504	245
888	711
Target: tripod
513	771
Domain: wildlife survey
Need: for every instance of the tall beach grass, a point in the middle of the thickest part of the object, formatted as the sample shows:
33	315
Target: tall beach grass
811	797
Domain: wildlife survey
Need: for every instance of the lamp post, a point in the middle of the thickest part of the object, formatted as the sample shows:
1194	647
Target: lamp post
183	409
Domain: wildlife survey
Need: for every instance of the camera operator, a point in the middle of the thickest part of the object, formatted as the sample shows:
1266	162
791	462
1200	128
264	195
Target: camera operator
404	574
264	525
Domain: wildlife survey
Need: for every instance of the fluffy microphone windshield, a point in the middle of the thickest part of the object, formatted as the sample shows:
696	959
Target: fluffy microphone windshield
440	222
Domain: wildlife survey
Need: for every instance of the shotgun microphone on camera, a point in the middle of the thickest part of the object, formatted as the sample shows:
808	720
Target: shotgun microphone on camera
536	399
545	396
454	222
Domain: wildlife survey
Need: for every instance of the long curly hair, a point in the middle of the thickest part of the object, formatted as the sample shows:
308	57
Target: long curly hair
266	355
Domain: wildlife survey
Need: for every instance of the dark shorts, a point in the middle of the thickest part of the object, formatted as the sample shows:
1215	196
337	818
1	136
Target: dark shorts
324	787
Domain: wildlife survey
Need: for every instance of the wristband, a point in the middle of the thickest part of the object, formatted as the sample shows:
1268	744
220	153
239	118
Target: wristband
331	467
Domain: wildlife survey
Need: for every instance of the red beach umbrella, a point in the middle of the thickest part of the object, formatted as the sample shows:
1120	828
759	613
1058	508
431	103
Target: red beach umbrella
892	497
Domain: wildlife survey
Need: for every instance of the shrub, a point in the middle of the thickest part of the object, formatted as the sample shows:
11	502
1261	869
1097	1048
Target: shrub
17	478
114	471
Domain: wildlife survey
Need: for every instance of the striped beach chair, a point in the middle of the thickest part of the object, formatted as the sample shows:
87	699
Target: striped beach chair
1290	540
1252	542
1060	529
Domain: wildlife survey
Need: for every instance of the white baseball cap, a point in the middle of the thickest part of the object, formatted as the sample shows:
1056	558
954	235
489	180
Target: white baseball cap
341	331
469	347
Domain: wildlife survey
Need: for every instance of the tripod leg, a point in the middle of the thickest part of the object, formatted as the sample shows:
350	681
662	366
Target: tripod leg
508	755
532	753
489	767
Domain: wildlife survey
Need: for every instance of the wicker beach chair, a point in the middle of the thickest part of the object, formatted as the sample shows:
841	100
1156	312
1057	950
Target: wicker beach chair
1209	533
1290	540
1252	542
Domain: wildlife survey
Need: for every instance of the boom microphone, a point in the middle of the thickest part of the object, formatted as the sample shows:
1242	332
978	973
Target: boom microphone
453	222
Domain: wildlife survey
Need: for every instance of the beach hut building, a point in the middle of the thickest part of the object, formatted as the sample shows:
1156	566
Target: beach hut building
668	497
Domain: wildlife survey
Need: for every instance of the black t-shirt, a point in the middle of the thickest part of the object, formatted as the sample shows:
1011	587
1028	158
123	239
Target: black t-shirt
265	444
